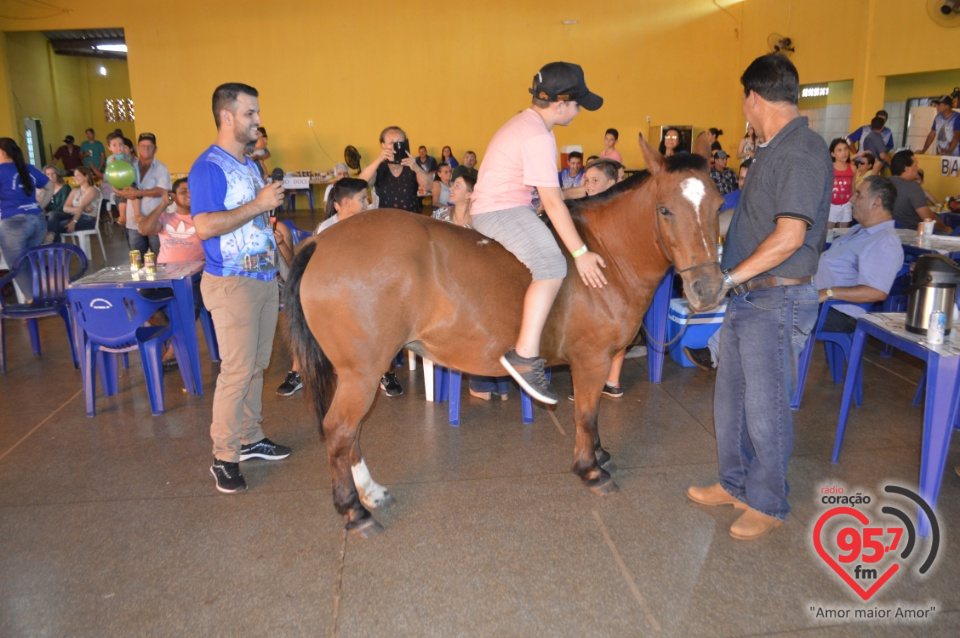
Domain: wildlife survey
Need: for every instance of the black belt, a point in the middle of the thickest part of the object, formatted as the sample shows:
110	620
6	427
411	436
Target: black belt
771	281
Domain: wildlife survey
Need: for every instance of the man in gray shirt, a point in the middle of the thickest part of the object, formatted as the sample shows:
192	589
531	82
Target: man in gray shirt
873	142
911	205
771	255
153	182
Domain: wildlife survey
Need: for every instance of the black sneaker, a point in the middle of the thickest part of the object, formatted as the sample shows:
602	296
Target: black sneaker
614	391
700	357
264	449
528	372
228	477
291	384
391	387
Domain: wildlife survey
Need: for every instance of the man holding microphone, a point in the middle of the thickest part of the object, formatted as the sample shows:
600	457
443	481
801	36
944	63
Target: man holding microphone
230	207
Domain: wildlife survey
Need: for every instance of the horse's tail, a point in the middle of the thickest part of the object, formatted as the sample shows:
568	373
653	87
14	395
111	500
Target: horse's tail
315	369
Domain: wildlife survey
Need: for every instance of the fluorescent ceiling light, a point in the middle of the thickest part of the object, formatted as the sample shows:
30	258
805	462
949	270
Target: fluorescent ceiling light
119	48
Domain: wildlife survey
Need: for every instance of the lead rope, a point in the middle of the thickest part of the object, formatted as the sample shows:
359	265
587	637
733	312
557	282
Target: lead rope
666	253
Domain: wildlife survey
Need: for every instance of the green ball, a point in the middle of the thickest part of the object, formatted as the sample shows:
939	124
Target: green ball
120	174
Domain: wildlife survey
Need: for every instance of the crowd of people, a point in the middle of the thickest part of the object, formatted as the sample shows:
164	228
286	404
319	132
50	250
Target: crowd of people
774	235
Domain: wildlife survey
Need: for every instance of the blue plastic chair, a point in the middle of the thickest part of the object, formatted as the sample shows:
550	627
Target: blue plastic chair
112	321
50	266
449	383
656	324
837	346
297	234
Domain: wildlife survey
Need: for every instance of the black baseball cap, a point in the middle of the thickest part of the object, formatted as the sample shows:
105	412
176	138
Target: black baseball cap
562	82
147	136
68	139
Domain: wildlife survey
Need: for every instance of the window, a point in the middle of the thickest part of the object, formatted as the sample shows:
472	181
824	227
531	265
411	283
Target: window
118	110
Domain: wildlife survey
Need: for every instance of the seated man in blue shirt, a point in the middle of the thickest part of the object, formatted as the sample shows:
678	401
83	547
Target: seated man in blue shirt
731	199
859	267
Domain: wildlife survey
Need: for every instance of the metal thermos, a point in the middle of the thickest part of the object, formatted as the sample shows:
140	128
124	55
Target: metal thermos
933	289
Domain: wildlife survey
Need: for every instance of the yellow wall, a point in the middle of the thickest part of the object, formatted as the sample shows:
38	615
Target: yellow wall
452	73
900	88
449	74
65	92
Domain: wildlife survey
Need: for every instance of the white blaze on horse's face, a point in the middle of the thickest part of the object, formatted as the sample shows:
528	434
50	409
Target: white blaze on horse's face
694	192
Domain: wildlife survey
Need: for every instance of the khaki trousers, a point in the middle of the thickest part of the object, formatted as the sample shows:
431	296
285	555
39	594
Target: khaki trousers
244	312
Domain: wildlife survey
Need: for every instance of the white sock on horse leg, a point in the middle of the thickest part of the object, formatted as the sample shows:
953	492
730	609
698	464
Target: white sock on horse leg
372	494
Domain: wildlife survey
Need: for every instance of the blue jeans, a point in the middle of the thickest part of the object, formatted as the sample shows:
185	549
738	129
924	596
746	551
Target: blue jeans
136	241
57	223
499	385
763	334
18	233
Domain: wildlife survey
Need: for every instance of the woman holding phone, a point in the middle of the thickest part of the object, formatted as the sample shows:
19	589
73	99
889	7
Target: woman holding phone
395	174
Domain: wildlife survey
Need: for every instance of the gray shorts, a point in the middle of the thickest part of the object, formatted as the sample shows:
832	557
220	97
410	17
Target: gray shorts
520	231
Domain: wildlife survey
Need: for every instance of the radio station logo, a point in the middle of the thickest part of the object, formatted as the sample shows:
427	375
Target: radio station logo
866	552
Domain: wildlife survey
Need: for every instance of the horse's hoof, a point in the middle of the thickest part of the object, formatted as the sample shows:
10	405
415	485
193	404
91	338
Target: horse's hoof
603	457
386	500
366	528
605	487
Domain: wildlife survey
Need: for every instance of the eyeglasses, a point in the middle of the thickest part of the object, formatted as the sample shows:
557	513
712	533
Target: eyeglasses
672	137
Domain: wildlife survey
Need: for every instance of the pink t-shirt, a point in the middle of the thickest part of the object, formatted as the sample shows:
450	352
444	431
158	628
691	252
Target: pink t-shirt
611	153
178	239
521	156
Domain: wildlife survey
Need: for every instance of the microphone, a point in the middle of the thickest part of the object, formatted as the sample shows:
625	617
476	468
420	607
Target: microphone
276	176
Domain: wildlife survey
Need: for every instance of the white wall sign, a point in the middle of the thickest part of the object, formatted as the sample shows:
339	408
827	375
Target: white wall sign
949	166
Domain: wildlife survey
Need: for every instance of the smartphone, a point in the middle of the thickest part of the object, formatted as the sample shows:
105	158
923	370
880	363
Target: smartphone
400	150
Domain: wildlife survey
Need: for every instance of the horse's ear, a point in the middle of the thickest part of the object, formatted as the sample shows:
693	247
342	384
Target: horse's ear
702	147
651	156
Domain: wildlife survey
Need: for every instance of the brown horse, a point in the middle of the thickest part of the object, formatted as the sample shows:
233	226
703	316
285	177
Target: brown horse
386	280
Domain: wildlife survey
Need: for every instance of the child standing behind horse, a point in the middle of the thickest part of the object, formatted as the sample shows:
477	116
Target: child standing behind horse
841	209
521	160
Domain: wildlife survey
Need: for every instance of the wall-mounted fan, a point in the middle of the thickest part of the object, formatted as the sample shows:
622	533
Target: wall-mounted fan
780	44
946	13
352	158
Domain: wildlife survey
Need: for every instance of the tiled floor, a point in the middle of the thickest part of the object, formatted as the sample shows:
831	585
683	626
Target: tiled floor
111	526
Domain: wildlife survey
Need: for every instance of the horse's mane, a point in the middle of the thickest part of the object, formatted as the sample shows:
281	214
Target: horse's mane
674	164
686	162
635	181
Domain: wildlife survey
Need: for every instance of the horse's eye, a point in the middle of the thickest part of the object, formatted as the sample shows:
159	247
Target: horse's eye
663	211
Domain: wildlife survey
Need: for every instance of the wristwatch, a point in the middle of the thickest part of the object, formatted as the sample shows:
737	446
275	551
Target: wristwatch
829	293
728	280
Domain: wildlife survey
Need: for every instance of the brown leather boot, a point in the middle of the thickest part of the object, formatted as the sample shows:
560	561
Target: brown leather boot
713	495
753	524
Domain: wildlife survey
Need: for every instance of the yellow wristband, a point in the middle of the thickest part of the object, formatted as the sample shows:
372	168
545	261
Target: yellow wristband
579	251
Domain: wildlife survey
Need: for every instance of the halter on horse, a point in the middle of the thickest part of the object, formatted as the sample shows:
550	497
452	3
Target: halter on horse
386	280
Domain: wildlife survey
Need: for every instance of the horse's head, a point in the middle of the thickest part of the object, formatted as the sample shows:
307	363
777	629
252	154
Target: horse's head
687	202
